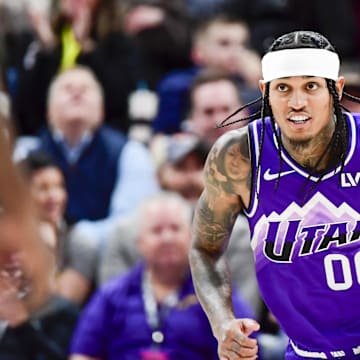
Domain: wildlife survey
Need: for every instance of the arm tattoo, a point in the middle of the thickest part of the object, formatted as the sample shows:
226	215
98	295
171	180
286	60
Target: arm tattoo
227	173
213	229
227	170
228	165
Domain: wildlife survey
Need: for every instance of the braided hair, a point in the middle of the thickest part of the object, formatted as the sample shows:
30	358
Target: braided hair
338	144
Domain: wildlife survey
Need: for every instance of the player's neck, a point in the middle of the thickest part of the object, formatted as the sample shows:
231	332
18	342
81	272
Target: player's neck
312	154
312	158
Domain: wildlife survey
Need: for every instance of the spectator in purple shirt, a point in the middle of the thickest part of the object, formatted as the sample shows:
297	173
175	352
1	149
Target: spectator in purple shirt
152	311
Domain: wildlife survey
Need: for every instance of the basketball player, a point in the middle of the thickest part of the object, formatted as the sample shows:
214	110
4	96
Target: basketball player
295	173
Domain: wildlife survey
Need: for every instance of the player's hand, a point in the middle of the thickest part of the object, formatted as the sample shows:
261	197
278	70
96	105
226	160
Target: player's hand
235	342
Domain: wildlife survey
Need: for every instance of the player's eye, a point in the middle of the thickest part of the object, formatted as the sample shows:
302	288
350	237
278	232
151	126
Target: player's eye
282	87
312	86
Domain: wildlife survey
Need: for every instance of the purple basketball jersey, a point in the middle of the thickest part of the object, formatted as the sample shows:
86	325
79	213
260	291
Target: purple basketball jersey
306	243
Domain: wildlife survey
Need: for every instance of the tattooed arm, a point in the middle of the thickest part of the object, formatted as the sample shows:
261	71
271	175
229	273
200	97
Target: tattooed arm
227	189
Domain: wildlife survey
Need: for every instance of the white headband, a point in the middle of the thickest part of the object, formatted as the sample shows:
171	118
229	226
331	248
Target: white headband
300	62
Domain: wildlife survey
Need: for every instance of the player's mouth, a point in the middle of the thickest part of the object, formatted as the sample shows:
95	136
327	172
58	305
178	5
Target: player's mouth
299	119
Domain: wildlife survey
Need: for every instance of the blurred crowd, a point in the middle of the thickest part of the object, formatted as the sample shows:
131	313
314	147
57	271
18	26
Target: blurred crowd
112	107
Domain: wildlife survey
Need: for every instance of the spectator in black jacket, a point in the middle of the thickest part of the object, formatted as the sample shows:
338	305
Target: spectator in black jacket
87	33
161	32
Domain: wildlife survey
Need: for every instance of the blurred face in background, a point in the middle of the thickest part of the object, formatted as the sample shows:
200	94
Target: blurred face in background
211	103
184	176
47	188
165	236
75	104
190	169
220	46
73	8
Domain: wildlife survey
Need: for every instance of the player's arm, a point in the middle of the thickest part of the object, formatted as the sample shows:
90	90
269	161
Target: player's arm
227	178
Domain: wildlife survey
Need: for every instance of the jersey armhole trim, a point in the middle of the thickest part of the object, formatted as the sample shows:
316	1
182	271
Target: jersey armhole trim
253	138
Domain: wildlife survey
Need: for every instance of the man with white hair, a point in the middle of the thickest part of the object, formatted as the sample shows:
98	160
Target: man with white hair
106	174
151	312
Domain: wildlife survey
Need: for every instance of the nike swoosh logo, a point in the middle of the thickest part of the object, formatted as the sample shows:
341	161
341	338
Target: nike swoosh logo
268	176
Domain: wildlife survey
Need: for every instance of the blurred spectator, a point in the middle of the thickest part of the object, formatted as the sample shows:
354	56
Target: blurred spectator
198	9
180	159
33	325
151	312
120	252
161	31
47	187
222	43
181	169
269	19
15	36
78	32
219	43
76	255
351	72
13	14
213	95
106	175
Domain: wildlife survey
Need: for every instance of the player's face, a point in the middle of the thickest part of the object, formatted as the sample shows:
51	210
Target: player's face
302	107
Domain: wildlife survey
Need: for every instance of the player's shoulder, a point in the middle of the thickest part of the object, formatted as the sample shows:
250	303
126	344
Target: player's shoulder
228	168
238	138
353	120
355	115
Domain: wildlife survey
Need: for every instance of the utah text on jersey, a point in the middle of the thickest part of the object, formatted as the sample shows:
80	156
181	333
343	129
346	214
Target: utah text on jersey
294	234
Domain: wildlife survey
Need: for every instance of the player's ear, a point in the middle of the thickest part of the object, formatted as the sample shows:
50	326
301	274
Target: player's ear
340	82
262	86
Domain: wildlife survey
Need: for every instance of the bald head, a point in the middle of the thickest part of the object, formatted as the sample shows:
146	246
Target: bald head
165	230
75	103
